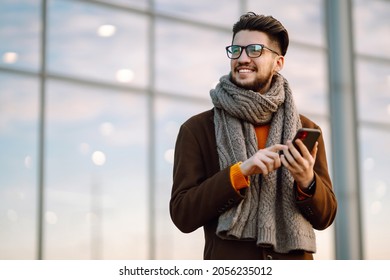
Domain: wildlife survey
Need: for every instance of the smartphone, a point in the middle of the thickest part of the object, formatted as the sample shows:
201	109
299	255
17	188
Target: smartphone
308	136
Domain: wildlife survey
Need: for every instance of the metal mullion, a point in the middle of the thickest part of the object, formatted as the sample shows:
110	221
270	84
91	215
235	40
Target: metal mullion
344	125
151	136
41	135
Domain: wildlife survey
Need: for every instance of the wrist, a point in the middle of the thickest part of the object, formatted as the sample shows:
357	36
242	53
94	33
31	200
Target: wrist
310	188
304	184
243	169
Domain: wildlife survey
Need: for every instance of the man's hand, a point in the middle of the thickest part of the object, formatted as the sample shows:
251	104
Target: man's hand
263	161
300	166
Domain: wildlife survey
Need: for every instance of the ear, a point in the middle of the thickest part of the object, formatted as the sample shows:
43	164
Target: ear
279	63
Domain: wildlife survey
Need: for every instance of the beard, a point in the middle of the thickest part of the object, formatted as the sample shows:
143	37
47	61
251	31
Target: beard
256	85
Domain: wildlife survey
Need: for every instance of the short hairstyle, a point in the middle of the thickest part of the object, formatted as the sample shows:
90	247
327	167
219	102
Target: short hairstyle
267	24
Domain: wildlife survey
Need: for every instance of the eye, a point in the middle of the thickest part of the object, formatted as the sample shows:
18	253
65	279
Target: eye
235	49
255	50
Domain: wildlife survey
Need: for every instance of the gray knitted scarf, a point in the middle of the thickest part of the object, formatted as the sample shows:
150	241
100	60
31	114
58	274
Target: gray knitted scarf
268	213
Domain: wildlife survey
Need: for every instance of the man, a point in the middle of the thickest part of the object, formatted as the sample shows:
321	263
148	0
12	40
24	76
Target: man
236	171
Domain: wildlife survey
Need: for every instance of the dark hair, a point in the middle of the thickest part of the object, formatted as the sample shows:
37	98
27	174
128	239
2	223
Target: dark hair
267	24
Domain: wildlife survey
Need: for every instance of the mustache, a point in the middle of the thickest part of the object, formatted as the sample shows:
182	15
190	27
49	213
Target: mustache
246	65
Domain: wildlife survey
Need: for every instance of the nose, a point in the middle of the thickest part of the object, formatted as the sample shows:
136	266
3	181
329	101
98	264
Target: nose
244	58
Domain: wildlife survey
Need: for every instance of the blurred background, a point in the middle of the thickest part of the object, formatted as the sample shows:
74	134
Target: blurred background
92	94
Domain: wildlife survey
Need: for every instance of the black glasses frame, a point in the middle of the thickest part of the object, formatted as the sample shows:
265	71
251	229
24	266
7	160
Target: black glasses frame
228	50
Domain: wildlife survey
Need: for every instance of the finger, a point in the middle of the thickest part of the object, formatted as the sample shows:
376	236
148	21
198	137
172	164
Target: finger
273	160
277	162
276	148
264	169
314	151
285	162
261	166
302	147
269	161
275	157
292	154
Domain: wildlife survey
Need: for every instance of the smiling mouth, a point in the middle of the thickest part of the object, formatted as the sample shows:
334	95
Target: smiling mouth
245	70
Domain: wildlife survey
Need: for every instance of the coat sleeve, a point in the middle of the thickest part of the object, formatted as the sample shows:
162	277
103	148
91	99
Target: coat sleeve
320	209
200	192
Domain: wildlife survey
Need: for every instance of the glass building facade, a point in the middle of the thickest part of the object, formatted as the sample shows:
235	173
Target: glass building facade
92	94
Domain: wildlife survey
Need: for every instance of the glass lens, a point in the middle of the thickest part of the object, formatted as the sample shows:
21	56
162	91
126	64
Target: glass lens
234	51
254	50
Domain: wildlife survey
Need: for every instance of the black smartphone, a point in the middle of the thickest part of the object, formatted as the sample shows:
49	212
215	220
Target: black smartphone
308	136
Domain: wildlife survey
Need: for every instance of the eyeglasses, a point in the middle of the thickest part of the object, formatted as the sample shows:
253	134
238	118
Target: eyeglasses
252	51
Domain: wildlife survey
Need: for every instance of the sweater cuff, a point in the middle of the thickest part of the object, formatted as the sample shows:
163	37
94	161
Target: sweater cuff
238	180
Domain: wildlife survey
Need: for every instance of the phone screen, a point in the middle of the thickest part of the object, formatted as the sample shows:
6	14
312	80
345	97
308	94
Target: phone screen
308	136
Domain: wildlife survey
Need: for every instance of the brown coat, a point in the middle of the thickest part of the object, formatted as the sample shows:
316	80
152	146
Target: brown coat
201	192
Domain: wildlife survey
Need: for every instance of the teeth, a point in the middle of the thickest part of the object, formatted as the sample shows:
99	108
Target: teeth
245	71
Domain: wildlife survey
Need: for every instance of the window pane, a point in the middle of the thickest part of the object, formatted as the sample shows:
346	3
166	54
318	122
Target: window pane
96	174
171	243
372	26
142	4
19	101
309	86
219	12
87	41
304	20
19	34
189	60
375	178
373	83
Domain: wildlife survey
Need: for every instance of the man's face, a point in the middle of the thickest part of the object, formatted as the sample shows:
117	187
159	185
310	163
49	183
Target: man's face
255	73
